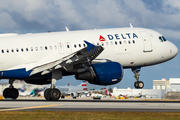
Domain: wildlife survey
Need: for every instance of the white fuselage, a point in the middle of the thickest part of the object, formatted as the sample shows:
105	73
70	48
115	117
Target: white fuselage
130	47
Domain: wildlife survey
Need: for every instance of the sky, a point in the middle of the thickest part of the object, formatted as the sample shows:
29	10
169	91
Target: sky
34	16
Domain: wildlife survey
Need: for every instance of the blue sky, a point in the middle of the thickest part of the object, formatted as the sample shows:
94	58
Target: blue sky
32	16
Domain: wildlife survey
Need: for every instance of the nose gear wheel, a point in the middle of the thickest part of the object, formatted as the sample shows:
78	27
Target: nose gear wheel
138	84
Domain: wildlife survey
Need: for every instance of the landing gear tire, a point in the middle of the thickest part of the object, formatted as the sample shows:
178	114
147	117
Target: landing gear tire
11	93
5	92
52	94
47	94
55	94
139	84
136	85
14	93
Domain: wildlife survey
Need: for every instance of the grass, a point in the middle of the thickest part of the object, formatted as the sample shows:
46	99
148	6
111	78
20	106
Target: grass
62	115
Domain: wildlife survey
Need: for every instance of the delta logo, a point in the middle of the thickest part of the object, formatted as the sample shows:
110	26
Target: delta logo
101	38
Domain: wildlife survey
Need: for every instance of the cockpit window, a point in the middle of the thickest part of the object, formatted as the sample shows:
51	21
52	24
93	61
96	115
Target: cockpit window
162	38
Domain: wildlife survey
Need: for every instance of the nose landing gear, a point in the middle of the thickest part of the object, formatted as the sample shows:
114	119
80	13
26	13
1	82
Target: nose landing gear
138	84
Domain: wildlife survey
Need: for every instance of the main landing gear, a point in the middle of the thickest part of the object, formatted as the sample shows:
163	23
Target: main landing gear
11	92
52	93
138	84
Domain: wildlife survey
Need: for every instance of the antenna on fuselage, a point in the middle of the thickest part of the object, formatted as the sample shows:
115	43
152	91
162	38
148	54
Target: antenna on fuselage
67	29
130	25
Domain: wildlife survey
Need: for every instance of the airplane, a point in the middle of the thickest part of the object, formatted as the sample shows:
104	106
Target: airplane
98	56
72	90
106	92
23	92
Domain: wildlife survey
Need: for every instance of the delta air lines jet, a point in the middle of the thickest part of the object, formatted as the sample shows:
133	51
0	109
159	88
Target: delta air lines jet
98	56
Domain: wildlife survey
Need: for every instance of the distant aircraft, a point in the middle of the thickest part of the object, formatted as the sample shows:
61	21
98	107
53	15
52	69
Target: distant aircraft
23	92
98	56
23	88
72	90
106	92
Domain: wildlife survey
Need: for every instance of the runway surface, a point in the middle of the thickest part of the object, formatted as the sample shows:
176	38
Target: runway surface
31	104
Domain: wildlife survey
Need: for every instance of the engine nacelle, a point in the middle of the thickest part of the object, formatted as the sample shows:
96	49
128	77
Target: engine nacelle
102	73
38	81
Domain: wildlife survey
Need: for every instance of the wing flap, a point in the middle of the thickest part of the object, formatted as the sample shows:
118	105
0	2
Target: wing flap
88	53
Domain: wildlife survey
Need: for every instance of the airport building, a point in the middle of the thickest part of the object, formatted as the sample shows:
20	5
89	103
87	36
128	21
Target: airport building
148	93
160	88
174	84
162	84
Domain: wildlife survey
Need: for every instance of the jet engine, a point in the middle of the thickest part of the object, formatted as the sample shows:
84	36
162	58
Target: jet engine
102	73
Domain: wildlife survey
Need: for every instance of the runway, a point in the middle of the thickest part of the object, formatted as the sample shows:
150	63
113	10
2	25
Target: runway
31	104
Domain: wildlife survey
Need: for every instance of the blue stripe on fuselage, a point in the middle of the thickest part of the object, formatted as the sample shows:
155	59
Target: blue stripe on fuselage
16	74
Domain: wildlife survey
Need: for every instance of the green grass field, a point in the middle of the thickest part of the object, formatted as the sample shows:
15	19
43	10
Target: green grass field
60	115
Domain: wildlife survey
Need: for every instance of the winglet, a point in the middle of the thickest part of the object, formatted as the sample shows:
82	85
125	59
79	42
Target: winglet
130	25
67	29
89	45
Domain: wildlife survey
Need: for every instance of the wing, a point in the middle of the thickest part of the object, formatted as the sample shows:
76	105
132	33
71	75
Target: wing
84	55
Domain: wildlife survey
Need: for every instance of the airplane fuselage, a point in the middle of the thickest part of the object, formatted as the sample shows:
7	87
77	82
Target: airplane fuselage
130	47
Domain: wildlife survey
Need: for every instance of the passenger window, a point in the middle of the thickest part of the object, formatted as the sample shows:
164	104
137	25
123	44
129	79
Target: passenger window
7	51
67	46
84	45
124	42
120	42
31	48
50	47
102	44
79	45
12	50
97	43
129	42
36	48
55	47
17	50
75	45
111	43
22	49
45	47
115	43
133	41
41	48
2	51
26	49
107	43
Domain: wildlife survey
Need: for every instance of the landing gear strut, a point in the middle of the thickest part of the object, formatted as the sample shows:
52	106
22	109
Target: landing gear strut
138	84
11	92
53	93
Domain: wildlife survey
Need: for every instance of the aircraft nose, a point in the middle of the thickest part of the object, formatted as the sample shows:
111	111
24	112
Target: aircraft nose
173	50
